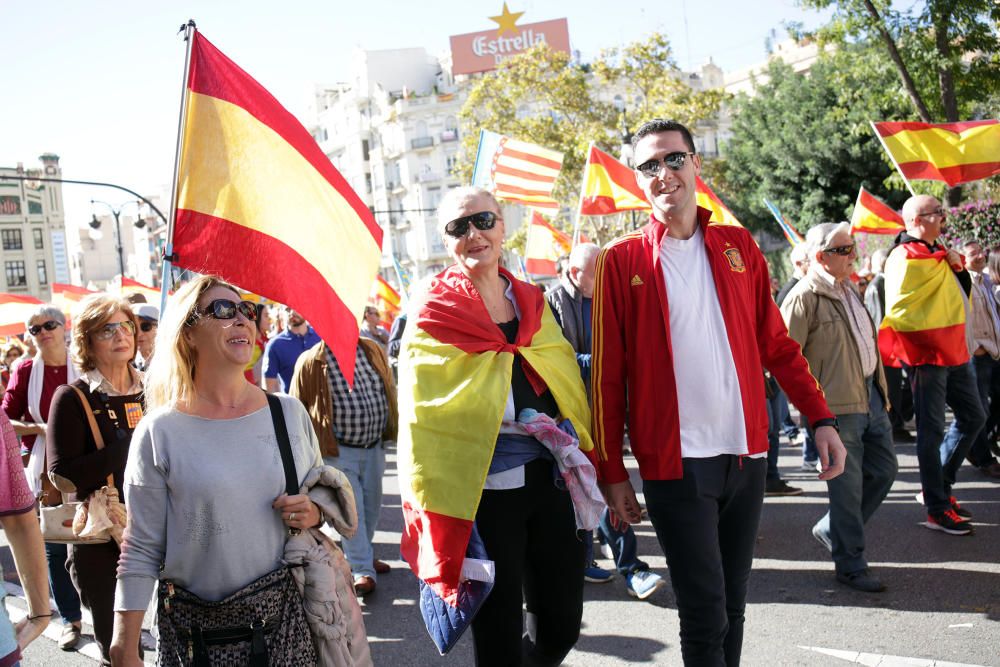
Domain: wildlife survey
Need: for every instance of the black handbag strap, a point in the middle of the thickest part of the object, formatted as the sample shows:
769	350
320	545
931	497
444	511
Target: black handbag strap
284	444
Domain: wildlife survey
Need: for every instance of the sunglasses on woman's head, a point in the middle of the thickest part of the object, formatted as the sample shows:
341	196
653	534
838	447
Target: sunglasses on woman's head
225	309
459	227
107	331
36	329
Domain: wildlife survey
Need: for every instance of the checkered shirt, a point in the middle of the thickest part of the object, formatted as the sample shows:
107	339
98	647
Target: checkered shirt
359	416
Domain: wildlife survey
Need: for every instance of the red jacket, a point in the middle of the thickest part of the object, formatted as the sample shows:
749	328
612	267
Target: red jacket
632	349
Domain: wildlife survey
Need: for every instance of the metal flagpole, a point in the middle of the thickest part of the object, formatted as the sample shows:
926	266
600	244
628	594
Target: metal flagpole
189	30
894	163
583	183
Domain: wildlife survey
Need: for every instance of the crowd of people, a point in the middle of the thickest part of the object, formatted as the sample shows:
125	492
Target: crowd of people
226	441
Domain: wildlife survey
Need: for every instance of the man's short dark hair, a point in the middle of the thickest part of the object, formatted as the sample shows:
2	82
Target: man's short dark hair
658	125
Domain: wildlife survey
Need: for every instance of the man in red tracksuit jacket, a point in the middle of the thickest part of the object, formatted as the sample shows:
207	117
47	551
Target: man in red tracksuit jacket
683	325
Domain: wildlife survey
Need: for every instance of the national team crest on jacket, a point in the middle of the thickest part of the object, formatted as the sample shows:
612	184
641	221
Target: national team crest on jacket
735	259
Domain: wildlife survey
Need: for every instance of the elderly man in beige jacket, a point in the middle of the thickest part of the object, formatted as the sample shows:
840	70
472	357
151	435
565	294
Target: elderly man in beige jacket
825	314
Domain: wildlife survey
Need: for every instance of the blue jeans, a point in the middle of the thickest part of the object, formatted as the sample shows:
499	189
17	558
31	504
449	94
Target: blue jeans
939	459
67	599
979	453
868	475
364	469
623	546
774	425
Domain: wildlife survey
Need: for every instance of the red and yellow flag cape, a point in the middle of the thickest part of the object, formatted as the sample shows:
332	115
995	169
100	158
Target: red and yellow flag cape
454	377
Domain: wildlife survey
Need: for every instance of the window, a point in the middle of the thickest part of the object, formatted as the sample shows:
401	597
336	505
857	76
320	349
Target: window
11	239
39	238
15	273
43	278
365	150
450	162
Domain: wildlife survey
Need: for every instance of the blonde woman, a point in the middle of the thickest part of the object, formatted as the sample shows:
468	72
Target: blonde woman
205	484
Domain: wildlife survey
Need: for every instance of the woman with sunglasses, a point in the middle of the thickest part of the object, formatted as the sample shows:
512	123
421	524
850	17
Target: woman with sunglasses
103	348
205	483
483	363
27	403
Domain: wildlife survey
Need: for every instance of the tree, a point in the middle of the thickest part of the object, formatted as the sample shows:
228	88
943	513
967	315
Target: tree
803	141
544	97
945	52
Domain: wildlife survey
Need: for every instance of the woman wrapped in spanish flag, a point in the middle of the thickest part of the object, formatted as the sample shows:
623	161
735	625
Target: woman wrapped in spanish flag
494	485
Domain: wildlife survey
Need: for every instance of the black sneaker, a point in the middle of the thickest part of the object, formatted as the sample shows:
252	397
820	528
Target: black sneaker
779	487
959	510
949	522
861	580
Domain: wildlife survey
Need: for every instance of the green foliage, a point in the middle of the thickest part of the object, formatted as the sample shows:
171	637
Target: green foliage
978	221
804	141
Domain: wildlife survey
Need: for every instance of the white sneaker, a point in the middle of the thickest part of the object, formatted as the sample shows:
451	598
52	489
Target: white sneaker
607	552
810	467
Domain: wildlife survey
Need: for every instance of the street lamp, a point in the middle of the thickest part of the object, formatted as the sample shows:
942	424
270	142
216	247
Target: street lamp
116	213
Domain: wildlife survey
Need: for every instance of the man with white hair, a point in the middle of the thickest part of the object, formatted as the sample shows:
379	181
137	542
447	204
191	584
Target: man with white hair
926	310
838	337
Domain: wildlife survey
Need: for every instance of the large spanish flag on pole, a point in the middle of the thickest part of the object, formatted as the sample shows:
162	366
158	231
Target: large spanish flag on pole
544	245
951	152
609	186
14	311
259	204
871	215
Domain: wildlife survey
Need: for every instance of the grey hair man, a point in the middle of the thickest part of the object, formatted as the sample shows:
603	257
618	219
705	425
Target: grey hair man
824	313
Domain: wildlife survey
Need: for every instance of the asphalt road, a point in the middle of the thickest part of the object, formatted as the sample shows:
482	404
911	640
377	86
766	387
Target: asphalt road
942	606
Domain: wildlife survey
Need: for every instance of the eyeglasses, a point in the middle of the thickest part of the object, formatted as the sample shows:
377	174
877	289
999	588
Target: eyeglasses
842	250
459	227
936	213
51	325
672	161
108	331
225	309
146	327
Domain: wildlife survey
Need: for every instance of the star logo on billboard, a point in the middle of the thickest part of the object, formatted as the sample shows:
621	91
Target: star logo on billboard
507	21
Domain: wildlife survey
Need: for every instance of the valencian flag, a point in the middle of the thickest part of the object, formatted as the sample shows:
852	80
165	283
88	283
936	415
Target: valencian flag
14	311
609	186
386	299
791	234
517	171
924	319
708	199
951	152
402	274
871	215
544	245
455	370
260	205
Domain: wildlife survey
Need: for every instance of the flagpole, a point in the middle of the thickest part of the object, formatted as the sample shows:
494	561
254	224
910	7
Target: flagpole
894	163
583	184
189	29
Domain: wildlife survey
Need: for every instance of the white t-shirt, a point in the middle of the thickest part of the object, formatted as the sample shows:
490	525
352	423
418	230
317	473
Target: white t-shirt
709	402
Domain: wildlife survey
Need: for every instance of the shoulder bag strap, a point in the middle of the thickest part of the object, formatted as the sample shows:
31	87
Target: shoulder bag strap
98	438
284	445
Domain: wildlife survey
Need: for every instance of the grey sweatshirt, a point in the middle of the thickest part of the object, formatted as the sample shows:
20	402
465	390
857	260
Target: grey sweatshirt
198	493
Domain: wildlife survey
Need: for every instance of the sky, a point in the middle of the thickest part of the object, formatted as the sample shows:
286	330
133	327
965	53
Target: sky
99	82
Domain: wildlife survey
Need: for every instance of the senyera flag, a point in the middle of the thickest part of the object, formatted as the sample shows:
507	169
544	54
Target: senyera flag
791	234
873	216
708	199
544	245
517	171
14	312
609	186
260	205
951	152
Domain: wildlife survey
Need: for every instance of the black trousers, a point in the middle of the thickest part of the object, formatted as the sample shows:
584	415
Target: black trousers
706	523
93	569
530	534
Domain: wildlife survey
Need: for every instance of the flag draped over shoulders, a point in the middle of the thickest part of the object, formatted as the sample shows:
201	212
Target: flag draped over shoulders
455	375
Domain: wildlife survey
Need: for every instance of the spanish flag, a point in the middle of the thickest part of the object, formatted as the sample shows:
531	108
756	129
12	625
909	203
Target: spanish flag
721	215
872	216
14	311
260	205
924	319
951	152
386	299
544	245
65	297
609	186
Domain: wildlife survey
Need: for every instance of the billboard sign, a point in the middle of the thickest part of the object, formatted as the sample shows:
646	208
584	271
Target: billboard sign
483	51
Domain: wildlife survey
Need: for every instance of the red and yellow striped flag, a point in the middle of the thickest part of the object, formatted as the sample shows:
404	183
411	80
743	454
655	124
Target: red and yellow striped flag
14	311
951	152
544	245
65	297
517	171
260	205
707	199
609	186
871	215
386	299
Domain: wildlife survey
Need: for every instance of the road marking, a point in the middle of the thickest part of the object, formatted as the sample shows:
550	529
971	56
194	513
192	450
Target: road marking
876	660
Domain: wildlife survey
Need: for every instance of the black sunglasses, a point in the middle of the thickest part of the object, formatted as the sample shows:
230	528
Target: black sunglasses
843	250
51	325
225	309
146	327
672	161
459	227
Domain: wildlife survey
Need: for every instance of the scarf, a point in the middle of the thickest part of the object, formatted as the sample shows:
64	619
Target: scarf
36	464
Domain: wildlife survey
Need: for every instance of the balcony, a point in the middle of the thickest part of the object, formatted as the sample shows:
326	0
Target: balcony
422	142
428	177
449	136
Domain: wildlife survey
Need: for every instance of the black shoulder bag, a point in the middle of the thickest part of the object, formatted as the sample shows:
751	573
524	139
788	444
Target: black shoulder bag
261	625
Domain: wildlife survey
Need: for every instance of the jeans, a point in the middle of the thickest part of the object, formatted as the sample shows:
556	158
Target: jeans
900	397
67	599
622	543
706	523
774	425
933	388
983	367
364	469
868	475
788	426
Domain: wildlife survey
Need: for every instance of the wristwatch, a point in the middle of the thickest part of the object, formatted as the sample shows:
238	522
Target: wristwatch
830	421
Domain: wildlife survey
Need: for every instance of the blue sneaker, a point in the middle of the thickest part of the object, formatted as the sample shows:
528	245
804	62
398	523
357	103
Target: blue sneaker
643	583
597	575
